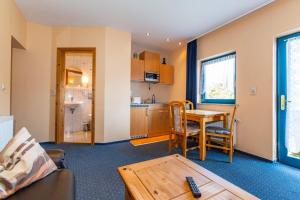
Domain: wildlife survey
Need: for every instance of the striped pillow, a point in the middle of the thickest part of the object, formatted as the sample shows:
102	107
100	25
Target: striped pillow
22	162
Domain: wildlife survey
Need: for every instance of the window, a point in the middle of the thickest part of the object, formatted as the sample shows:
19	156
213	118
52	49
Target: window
218	79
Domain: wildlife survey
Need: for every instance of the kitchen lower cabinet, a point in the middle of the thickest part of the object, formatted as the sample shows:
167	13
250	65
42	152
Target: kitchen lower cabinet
138	122
150	121
158	121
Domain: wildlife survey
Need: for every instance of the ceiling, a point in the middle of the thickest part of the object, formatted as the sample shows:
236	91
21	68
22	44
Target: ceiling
178	20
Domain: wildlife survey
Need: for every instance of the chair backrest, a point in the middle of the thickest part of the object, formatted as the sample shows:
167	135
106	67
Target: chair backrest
188	105
232	119
177	117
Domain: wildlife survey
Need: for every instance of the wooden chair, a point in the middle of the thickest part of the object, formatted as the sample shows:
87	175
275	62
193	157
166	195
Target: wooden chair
180	131
215	132
188	105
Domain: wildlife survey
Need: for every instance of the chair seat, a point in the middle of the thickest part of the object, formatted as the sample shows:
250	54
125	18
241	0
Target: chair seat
192	130
217	130
192	123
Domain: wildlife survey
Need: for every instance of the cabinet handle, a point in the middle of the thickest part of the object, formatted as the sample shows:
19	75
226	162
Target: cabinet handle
282	102
146	112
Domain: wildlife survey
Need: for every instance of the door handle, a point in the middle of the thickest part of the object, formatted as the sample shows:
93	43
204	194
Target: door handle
282	102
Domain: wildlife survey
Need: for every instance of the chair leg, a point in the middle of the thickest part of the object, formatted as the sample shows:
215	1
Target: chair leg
209	142
225	144
177	140
231	149
184	146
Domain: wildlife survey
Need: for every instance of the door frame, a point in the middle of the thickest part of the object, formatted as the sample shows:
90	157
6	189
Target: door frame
60	90
282	151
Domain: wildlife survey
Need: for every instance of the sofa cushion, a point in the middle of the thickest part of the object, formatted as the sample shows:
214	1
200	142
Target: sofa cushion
22	162
58	185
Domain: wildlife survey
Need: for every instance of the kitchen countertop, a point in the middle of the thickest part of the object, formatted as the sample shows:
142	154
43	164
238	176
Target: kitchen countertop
146	104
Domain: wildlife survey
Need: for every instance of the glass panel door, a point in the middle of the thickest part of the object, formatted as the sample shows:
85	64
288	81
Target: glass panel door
288	61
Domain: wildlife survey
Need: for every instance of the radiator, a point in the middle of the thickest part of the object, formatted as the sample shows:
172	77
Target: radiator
6	130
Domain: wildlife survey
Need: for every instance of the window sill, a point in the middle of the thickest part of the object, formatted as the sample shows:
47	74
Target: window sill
219	104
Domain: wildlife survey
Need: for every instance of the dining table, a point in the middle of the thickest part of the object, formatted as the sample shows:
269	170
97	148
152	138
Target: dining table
203	117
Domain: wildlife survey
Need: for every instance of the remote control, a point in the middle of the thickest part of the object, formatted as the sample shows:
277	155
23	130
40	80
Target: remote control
195	190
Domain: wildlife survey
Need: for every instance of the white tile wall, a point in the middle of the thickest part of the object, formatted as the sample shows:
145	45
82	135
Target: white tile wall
74	122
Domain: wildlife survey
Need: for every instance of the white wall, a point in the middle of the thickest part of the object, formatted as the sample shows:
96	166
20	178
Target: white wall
117	85
31	69
178	60
12	23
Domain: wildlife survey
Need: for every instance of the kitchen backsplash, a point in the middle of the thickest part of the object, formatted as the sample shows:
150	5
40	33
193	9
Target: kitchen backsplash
161	92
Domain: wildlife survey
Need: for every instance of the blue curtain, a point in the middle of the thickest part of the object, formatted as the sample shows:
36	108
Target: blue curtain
191	72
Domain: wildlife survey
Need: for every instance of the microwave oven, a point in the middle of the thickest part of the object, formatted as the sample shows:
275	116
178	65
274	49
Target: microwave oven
151	77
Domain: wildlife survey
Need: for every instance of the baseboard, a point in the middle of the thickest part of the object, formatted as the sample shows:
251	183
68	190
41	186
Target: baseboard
97	143
47	143
115	142
255	156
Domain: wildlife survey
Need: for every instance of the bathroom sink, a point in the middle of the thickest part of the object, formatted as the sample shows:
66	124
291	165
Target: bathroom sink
72	105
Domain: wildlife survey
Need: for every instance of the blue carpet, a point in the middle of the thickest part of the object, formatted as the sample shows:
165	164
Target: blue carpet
95	169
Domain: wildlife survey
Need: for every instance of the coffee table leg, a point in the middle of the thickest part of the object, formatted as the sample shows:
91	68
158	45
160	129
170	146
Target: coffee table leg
202	140
127	194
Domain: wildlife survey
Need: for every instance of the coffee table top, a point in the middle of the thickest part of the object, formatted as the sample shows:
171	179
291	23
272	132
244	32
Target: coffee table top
164	179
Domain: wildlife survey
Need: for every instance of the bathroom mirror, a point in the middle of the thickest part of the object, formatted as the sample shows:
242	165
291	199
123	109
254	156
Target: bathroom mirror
73	77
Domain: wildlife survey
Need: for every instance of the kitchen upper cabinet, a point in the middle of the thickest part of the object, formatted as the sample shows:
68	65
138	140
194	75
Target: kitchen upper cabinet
137	70
152	61
138	122
166	74
158	121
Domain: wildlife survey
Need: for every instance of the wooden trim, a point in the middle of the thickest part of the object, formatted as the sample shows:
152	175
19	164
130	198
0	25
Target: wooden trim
59	120
60	72
93	95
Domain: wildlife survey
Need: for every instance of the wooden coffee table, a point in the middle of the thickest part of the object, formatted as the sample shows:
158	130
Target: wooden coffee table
164	179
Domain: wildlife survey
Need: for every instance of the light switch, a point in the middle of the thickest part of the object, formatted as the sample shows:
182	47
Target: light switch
2	87
253	91
52	92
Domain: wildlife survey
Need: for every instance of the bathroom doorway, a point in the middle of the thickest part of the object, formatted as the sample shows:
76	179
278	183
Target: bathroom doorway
75	110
